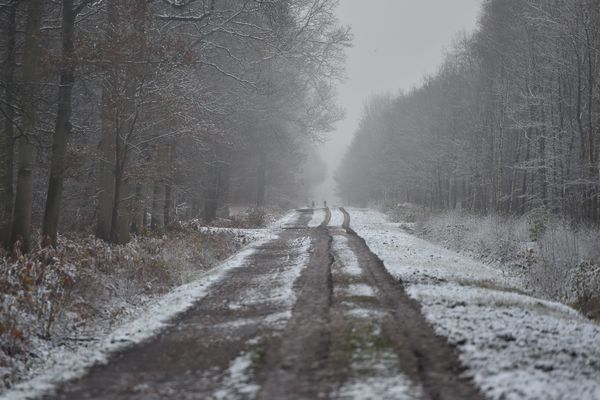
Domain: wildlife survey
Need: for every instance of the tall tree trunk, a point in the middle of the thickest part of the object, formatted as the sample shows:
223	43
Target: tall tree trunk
21	227
116	201
7	137
138	211
106	178
63	125
122	213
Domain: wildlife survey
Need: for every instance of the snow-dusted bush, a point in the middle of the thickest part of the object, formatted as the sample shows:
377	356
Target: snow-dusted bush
405	212
569	267
492	238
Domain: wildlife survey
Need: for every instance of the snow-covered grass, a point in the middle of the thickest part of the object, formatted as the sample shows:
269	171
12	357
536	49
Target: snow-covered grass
516	346
87	288
557	259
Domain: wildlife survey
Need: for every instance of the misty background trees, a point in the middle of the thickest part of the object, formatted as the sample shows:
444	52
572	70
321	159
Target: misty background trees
124	115
509	124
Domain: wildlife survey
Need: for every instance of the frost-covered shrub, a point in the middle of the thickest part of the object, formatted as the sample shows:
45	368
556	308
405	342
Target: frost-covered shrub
558	260
405	212
569	268
34	290
538	222
250	218
492	238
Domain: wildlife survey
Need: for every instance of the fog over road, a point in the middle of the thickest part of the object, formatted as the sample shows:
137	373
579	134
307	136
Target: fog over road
396	44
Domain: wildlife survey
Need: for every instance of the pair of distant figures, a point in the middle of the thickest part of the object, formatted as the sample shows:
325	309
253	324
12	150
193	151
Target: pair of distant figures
324	204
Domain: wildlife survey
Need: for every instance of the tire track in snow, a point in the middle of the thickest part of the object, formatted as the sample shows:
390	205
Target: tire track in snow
427	359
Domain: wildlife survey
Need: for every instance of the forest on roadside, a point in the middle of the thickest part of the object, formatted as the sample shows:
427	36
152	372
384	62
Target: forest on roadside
121	116
510	123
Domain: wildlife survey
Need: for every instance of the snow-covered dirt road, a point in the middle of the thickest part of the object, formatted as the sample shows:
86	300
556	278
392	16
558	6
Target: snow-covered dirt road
310	312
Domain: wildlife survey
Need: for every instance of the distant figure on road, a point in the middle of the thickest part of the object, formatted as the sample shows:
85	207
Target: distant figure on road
325	203
312	204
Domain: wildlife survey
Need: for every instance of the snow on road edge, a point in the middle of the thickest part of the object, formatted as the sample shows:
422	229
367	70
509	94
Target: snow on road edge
337	218
318	217
516	346
71	365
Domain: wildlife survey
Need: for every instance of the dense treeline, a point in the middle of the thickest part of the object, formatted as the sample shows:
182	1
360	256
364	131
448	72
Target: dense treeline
509	124
124	115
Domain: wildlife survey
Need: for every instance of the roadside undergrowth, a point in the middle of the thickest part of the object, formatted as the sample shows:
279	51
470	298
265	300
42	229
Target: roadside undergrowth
558	260
73	295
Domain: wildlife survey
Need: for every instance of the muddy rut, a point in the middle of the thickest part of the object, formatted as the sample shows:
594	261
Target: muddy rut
312	314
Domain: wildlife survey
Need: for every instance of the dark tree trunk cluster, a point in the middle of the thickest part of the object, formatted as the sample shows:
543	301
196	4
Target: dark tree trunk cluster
135	114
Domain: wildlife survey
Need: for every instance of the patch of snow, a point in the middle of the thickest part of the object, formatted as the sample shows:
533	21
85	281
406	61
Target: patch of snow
238	383
375	388
366	313
318	217
516	346
288	220
348	261
337	218
359	289
279	288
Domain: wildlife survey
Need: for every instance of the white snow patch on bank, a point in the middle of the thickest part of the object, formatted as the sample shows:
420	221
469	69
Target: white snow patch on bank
337	218
67	364
516	346
288	220
318	217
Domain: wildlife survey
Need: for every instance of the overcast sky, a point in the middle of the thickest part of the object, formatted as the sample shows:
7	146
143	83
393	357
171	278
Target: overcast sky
396	43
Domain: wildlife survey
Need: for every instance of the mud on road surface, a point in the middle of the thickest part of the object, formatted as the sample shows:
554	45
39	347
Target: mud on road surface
312	314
